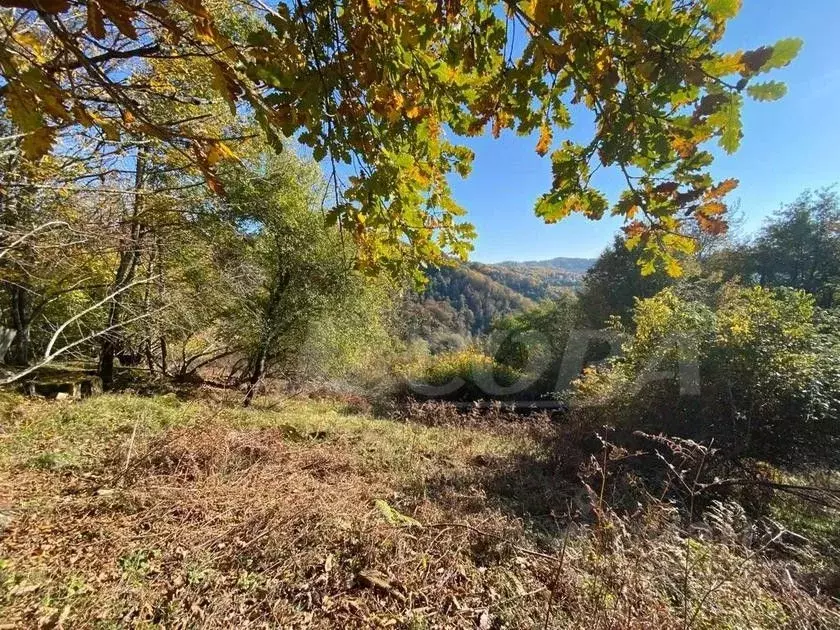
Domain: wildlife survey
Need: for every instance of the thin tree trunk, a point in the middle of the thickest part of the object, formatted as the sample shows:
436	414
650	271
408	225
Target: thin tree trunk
160	293
150	359
163	360
22	319
147	300
280	283
12	210
257	373
129	259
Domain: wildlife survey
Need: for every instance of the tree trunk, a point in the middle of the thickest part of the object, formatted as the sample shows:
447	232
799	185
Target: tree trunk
147	301
163	366
150	359
7	336
129	259
257	373
15	213
279	284
22	319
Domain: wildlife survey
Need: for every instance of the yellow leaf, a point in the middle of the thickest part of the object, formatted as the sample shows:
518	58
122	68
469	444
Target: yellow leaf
217	151
684	148
673	267
222	83
544	143
647	267
38	143
680	243
22	107
32	44
723	65
393	516
413	112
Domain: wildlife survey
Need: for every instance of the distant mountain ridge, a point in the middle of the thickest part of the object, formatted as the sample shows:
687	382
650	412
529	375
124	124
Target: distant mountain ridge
571	265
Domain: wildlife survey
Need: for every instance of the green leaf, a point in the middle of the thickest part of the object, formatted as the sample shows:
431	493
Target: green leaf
769	91
550	208
784	51
593	204
723	9
331	217
729	118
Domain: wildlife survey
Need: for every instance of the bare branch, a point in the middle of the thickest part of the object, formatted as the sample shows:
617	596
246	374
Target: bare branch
50	357
49	224
80	314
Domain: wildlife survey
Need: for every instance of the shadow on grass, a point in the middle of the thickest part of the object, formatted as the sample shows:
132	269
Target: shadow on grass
534	488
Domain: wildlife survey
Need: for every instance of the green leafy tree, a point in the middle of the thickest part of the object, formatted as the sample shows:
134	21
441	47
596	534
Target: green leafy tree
537	340
285	268
800	247
612	285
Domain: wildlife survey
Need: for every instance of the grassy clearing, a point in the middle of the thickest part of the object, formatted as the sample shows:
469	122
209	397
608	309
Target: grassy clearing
154	512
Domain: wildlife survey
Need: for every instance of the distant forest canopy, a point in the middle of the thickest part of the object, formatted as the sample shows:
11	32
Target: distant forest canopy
561	263
462	301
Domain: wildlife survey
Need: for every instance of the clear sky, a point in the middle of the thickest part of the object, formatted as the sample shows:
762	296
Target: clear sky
789	146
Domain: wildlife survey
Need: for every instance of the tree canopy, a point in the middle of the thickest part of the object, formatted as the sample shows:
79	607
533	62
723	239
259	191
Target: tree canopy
380	87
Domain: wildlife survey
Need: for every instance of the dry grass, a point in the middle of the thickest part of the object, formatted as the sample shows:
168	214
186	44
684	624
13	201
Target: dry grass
123	511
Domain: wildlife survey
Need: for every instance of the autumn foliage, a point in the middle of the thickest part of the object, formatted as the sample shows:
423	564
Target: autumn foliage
381	87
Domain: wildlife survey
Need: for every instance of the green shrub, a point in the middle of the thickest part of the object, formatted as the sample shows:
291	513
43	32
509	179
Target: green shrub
465	374
758	368
535	341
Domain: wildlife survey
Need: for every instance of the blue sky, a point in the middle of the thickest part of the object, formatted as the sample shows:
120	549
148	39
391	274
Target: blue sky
789	146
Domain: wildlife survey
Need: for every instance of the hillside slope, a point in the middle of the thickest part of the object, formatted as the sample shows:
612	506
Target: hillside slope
463	300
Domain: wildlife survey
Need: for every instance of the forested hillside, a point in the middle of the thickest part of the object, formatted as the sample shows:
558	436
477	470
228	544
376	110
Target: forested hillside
571	266
540	279
460	302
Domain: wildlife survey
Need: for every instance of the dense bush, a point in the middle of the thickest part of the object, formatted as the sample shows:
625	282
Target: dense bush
462	375
757	368
535	341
